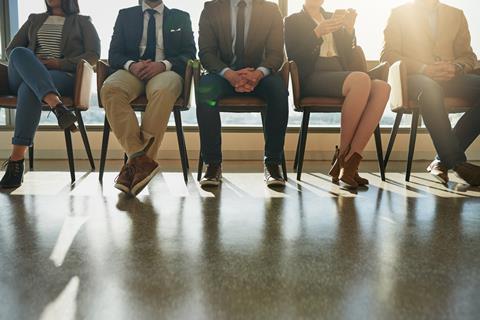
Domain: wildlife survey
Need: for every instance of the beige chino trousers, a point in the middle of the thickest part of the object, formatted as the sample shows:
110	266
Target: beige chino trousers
120	89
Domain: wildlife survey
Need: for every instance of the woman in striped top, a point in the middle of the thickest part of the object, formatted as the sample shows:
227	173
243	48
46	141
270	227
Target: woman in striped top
42	61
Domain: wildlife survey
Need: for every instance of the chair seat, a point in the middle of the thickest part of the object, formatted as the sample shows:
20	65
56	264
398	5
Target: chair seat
321	104
241	104
453	105
140	103
10	102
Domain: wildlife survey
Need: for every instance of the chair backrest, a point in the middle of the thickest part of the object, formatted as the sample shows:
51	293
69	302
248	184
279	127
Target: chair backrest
4	86
83	85
397	79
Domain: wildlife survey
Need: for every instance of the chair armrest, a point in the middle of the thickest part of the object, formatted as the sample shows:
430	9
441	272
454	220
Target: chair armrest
4	87
83	85
294	76
187	87
102	74
397	79
380	72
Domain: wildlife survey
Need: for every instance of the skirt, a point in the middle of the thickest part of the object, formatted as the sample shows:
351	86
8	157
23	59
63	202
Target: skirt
327	80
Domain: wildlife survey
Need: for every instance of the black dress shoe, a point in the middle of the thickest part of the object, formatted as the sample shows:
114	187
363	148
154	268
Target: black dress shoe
66	118
213	176
273	177
13	177
468	172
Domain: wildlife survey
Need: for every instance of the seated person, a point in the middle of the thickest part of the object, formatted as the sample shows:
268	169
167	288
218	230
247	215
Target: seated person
42	61
434	41
150	63
322	44
242	48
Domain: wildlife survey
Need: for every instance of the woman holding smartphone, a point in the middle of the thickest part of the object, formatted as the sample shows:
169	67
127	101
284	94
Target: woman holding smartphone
321	44
42	60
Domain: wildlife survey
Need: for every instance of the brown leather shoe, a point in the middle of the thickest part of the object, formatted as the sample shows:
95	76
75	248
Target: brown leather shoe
468	172
145	170
439	171
124	180
336	167
350	170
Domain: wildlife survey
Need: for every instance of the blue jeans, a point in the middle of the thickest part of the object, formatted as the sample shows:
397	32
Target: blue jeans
31	81
213	87
450	144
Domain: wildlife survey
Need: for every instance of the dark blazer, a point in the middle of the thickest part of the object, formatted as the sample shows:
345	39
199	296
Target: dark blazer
303	45
79	40
177	36
265	41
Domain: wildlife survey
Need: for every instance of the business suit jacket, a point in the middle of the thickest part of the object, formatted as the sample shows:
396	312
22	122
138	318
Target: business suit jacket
79	39
303	45
265	42
408	37
178	39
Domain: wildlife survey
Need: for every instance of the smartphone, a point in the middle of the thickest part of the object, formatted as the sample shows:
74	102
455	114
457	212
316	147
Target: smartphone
340	14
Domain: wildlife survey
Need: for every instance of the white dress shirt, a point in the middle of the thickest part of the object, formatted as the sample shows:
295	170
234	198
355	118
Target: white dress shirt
233	19
160	52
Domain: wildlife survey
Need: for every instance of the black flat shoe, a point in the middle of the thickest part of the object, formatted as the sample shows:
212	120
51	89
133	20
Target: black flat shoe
13	177
66	118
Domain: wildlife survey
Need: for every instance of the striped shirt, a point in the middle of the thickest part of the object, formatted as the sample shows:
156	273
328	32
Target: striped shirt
49	38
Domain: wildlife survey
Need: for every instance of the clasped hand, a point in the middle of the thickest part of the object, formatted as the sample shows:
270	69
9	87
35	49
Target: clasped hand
441	71
244	80
147	69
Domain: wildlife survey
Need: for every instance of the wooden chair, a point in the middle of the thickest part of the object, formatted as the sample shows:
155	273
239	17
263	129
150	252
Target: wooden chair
309	105
401	104
80	102
244	104
139	105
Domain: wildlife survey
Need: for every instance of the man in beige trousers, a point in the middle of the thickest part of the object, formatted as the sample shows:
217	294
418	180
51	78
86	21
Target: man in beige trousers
150	48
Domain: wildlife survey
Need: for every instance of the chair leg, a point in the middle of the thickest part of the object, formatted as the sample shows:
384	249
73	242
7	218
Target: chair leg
103	156
413	138
125	158
303	143
86	143
31	151
393	136
181	144
71	163
200	167
378	142
295	164
284	167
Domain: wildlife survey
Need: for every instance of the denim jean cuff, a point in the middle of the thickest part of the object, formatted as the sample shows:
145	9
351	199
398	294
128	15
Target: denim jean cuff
18	141
272	161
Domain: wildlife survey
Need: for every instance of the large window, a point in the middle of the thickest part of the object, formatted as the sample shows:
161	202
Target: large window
371	21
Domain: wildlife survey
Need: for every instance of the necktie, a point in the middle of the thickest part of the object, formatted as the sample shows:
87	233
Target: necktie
151	49
240	37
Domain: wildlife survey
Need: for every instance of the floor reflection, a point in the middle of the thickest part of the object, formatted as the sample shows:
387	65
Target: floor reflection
394	250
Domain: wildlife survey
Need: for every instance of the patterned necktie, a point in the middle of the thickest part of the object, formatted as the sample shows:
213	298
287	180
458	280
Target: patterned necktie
240	37
151	49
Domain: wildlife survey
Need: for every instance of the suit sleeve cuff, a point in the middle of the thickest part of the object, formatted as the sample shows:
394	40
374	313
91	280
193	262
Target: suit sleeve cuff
168	65
266	72
222	73
127	65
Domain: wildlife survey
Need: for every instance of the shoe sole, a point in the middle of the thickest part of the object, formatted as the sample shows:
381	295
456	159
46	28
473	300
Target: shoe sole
136	189
276	183
208	183
67	121
439	178
122	188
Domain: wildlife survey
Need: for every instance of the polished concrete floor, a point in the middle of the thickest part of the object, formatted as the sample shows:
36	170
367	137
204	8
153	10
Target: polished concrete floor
311	251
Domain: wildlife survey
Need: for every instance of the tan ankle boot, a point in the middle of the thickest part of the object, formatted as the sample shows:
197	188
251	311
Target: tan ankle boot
350	170
361	181
335	170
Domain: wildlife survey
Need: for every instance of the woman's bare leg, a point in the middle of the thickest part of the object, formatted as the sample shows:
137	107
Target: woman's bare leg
18	153
371	116
356	90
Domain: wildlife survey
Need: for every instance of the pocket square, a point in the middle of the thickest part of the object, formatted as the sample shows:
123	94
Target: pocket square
176	30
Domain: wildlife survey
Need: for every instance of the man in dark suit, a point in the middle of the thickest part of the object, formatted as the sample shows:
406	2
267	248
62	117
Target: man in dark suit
242	48
150	48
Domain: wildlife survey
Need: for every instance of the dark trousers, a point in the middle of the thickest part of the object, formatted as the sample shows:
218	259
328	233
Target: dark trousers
213	87
450	144
31	81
